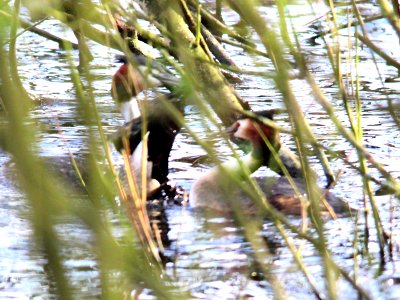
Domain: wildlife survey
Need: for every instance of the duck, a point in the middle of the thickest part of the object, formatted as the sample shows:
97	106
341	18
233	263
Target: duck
161	126
221	188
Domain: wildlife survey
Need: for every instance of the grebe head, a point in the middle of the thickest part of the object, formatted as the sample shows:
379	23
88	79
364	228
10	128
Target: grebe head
254	130
126	82
131	79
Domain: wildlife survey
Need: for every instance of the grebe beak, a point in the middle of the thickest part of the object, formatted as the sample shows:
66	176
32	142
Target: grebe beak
231	130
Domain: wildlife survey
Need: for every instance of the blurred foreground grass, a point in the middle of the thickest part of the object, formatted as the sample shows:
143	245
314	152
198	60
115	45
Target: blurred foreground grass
189	40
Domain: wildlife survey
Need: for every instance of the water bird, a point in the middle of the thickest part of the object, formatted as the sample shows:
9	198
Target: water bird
161	126
218	189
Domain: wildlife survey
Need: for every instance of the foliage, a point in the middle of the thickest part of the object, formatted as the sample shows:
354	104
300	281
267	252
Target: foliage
189	42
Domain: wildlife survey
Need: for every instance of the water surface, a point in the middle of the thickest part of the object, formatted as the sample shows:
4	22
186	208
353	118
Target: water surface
208	264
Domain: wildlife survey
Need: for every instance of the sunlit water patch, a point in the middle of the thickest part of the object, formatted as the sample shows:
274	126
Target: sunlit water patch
207	264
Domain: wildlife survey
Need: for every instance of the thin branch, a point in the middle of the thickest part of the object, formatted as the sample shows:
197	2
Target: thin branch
389	60
32	28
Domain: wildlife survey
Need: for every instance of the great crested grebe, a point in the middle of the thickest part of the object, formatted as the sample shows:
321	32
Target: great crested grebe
218	190
161	126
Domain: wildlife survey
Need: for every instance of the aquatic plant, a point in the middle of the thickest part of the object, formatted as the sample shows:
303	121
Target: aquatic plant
189	42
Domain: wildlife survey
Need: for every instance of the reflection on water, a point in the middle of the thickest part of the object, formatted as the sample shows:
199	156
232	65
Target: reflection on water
209	265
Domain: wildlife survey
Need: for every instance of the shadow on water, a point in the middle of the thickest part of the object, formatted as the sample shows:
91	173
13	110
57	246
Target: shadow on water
209	257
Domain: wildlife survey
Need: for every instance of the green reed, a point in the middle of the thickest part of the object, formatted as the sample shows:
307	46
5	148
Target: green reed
133	262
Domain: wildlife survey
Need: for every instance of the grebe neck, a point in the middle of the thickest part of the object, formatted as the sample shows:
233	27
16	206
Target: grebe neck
130	109
243	166
262	153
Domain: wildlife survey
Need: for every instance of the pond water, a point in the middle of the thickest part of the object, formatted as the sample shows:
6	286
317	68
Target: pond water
208	265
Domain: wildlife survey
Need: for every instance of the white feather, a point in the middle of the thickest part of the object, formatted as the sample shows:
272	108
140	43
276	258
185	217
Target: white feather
130	110
139	157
